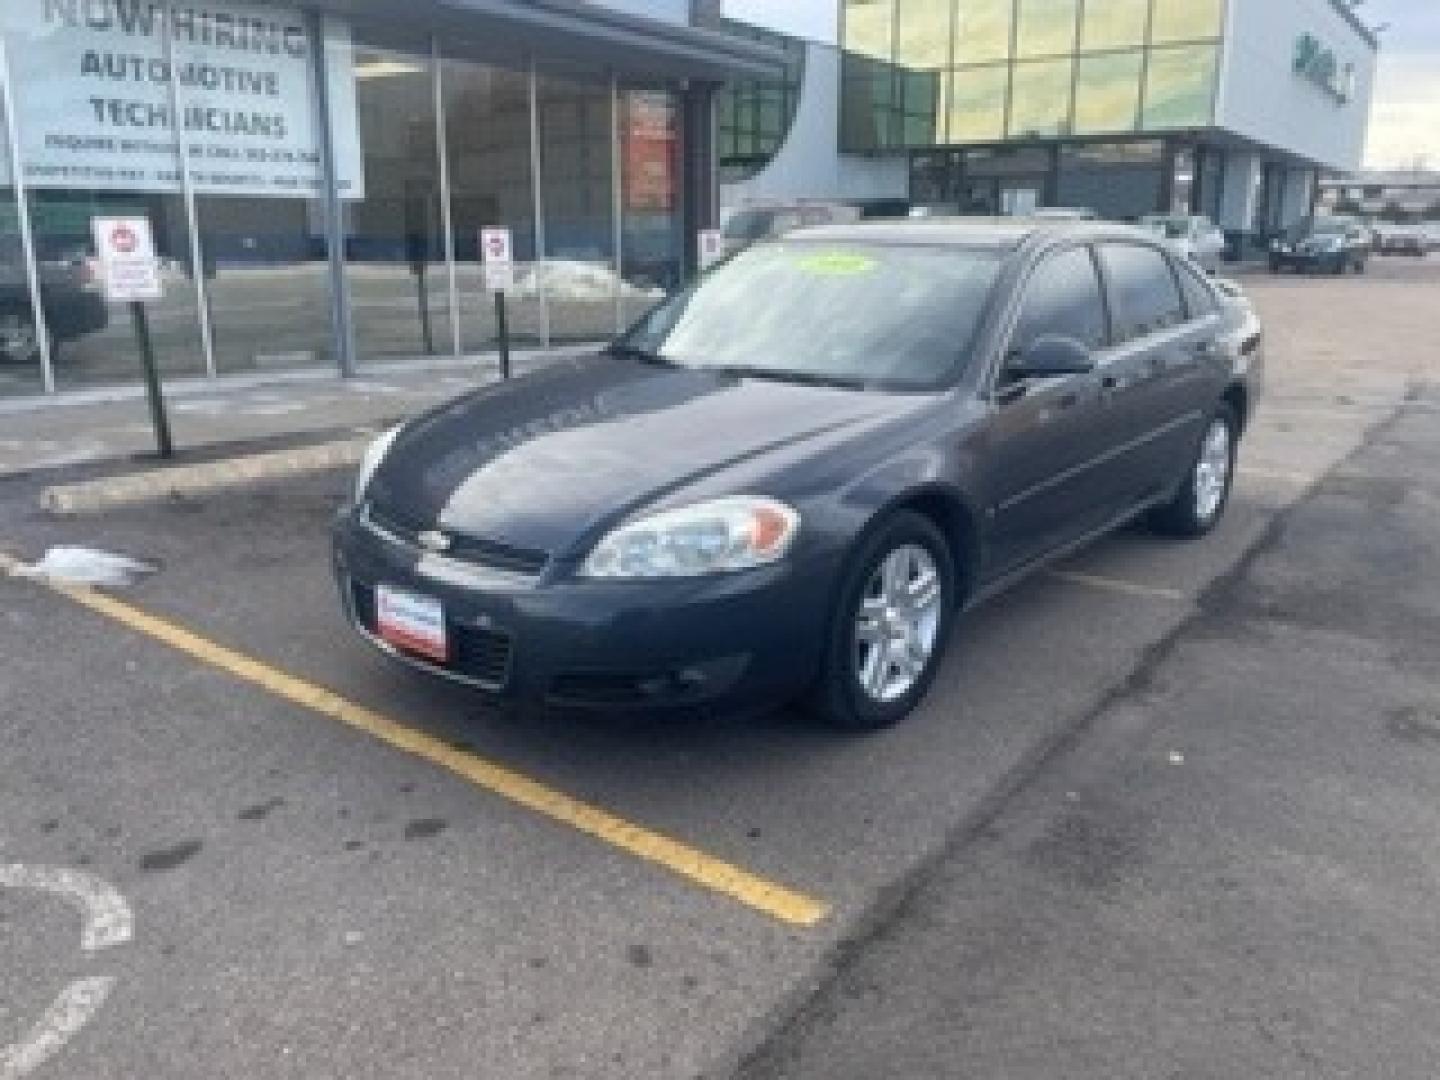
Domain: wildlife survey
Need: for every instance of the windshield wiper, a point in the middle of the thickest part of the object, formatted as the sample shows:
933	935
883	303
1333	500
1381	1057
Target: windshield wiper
803	378
638	352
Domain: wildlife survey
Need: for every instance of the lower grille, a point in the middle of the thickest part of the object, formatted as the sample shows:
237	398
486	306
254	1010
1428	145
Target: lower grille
477	655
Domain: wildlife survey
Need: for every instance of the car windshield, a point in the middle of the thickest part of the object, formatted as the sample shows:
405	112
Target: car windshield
1169	227
888	316
749	224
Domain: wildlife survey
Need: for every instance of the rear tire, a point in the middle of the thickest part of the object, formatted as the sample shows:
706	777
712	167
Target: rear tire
1200	502
884	645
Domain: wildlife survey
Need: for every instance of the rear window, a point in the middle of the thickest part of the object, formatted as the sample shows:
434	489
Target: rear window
1143	295
1199	300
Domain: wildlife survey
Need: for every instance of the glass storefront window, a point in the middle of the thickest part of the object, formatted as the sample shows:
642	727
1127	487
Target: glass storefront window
869	28
19	343
1107	92
753	116
487	133
1116	180
1114	24
395	254
977	103
920	107
923	37
1180	87
982	30
1045	28
1187	20
869	106
263	247
576	151
1040	98
652	243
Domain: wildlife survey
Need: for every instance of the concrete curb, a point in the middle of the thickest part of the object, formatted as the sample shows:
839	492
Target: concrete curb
158	485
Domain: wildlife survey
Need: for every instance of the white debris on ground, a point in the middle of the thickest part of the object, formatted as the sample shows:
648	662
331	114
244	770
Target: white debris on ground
86	566
571	279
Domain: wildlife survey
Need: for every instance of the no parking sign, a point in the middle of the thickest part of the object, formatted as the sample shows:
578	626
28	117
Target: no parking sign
497	252
129	270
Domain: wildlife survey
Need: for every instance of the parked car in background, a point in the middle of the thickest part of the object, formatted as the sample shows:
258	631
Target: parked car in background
70	296
788	480
1322	245
1402	240
1192	235
769	221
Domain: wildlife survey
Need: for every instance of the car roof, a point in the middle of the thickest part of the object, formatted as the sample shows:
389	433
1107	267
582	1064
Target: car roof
994	233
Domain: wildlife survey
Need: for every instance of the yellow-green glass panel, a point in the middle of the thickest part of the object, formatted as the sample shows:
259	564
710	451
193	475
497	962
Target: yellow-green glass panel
1107	92
1040	98
982	30
1187	20
870	27
977	104
1180	87
1114	24
923	39
1046	28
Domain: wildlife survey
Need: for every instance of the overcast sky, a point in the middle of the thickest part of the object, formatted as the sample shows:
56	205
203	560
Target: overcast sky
1405	123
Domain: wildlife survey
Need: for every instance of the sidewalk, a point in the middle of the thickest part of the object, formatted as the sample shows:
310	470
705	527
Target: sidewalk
239	413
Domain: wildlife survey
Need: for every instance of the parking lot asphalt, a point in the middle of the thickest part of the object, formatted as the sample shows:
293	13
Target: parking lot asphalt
312	898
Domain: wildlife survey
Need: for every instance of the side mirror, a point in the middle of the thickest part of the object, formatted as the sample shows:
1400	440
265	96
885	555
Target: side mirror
1050	356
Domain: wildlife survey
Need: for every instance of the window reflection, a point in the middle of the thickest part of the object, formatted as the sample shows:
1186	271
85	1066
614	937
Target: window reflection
1045	28
395	249
923	38
977	103
490	187
1114	24
1107	92
920	104
1187	20
1040	99
652	241
869	27
870	107
19	342
982	30
578	271
1180	87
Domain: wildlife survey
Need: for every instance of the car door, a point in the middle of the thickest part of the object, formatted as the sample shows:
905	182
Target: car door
1048	437
1154	372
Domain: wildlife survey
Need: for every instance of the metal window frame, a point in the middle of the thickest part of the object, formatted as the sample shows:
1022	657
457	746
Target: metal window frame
617	237
341	313
539	207
22	215
447	222
187	194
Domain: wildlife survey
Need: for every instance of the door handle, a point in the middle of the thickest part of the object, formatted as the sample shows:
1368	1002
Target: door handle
1109	382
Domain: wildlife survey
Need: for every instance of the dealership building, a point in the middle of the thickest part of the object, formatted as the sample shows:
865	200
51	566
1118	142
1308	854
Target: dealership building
316	174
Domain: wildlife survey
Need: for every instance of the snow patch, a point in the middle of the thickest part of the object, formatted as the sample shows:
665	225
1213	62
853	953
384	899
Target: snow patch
87	566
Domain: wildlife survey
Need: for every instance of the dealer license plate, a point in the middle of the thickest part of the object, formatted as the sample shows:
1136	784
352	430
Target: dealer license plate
411	622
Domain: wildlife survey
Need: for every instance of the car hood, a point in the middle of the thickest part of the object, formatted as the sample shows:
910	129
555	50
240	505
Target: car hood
545	462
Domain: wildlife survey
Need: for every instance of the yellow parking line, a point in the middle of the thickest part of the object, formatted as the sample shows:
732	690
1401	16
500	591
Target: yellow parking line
1129	588
775	900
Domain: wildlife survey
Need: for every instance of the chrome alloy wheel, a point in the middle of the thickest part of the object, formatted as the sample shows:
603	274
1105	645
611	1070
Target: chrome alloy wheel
898	623
1212	470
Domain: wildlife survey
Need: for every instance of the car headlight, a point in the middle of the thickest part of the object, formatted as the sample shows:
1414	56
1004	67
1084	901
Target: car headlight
370	461
707	538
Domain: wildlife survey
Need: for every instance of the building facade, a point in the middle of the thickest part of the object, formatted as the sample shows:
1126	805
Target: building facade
1224	107
316	174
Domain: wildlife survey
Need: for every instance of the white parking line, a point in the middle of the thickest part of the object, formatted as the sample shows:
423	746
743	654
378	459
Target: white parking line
1288	476
108	921
1118	585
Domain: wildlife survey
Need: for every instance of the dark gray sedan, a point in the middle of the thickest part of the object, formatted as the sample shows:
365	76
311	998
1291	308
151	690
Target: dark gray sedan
787	481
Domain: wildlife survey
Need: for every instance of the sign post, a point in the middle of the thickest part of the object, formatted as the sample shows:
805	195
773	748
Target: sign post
712	248
130	274
497	254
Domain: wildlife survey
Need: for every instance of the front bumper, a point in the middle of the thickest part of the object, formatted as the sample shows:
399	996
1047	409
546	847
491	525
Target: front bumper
735	640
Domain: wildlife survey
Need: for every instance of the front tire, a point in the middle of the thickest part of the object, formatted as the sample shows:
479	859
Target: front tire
1205	492
889	625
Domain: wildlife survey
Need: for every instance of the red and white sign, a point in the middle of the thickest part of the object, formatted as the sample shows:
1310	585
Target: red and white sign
126	260
712	247
497	252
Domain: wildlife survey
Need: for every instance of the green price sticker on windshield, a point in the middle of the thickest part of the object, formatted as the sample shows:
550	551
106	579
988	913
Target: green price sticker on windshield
837	263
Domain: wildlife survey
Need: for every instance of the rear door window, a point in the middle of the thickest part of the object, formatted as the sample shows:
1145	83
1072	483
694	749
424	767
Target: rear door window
1062	298
1144	297
1199	301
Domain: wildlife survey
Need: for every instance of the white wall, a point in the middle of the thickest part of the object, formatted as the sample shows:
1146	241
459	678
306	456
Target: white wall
809	164
813	20
1262	97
